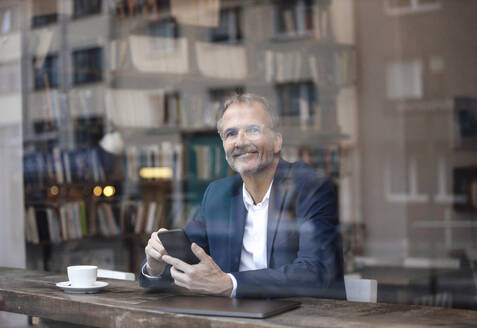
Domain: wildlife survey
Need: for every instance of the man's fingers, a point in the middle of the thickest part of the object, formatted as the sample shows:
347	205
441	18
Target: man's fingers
176	263
180	284
155	245
151	252
155	254
199	252
178	275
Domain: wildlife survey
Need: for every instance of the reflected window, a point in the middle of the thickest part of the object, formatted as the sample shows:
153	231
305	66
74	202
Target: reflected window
87	65
465	183
297	101
45	72
400	7
129	8
219	95
83	8
465	123
229	29
294	17
165	28
162	34
44	13
404	80
9	19
172	108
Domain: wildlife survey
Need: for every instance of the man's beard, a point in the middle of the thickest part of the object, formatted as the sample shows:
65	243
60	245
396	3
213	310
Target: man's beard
263	161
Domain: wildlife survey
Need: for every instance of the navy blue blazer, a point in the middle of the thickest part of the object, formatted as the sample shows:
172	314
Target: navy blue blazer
304	251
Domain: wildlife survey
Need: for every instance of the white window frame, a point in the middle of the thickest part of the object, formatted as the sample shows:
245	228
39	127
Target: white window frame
415	6
404	79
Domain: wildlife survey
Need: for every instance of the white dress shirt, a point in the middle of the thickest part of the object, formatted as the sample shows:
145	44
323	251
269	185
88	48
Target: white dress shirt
254	243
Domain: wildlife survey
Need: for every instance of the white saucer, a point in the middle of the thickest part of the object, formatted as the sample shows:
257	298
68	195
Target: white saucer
97	286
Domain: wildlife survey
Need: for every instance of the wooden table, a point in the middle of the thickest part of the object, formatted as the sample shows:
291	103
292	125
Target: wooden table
34	293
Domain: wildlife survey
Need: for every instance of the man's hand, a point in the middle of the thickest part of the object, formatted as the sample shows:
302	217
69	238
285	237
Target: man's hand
154	253
205	277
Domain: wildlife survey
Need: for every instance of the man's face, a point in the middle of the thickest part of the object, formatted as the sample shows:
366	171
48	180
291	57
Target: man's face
249	143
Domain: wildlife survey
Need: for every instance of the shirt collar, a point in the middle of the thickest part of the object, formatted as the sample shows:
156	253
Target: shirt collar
248	201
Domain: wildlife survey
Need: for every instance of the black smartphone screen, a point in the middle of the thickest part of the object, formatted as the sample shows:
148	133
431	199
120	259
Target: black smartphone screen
177	245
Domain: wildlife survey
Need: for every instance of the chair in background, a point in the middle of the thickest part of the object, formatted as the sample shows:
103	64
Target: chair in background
361	290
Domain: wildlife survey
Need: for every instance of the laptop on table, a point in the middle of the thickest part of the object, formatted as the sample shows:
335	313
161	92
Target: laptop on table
220	306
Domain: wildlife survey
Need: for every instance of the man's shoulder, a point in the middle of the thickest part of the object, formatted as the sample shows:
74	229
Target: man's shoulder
301	172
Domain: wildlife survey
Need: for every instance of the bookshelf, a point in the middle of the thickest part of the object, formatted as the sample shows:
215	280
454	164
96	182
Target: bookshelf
158	78
205	162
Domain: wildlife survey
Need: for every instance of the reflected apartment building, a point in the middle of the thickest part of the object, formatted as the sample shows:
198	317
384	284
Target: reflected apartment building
383	111
417	87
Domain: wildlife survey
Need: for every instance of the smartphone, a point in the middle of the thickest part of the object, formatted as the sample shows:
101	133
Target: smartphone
177	245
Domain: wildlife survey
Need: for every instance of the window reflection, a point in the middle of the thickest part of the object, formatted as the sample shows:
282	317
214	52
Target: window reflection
46	72
377	95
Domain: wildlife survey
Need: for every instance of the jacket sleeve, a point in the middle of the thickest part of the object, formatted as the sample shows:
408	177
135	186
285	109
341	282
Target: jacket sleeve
317	267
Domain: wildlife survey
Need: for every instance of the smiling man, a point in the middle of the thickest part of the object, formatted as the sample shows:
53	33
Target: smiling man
272	230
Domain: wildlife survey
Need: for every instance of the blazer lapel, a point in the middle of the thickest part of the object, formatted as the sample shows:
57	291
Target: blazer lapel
238	214
277	202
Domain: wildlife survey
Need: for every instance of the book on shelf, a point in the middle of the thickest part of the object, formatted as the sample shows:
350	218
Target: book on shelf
53	225
64	223
151	213
63	166
128	215
83	218
68	221
58	165
140	218
101	218
31	227
92	226
36	225
208	162
108	224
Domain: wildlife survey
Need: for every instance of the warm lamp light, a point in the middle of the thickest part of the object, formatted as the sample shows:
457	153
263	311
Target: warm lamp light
155	173
108	191
97	191
54	190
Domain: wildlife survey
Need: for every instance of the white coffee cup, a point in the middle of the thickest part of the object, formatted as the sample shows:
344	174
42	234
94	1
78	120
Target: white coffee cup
82	275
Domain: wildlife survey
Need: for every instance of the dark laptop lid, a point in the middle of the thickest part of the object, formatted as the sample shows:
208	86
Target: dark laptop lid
220	306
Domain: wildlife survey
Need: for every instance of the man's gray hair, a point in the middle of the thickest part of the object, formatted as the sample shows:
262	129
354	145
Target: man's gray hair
250	99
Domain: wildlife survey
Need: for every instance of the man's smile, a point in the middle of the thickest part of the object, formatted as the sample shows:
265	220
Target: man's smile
246	154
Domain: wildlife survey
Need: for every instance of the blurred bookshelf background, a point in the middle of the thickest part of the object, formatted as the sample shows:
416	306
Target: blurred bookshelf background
110	108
